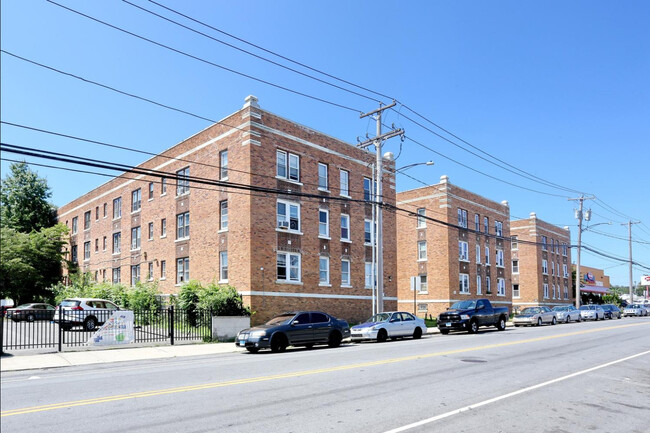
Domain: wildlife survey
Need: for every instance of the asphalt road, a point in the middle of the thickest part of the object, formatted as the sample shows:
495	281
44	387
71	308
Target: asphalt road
567	378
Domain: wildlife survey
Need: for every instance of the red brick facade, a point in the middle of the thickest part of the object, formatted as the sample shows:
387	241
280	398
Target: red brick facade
257	239
541	264
450	277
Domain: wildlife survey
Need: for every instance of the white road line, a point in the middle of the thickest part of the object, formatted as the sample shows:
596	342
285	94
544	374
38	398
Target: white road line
511	394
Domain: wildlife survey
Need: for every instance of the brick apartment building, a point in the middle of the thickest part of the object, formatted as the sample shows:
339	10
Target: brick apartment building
469	258
280	251
541	264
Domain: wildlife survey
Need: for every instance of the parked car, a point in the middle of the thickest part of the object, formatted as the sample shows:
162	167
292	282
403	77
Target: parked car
386	325
31	312
567	313
87	312
635	310
535	316
296	328
611	311
592	312
470	314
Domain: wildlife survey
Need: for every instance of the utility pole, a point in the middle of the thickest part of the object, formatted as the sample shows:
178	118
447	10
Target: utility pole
578	216
629	233
377	141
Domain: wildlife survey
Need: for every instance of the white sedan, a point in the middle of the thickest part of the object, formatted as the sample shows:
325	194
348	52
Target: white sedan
592	312
386	325
567	313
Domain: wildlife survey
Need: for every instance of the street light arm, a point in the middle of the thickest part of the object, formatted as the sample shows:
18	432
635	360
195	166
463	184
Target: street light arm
594	225
406	167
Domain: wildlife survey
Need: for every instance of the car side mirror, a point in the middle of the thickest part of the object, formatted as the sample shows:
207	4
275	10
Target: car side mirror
295	322
480	307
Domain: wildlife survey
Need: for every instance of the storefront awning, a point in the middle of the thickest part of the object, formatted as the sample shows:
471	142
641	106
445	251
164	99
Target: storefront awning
601	290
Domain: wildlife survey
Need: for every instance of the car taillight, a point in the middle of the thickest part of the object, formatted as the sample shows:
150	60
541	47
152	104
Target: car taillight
77	308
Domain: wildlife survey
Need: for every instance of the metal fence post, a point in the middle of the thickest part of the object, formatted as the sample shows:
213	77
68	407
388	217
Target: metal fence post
60	329
171	324
2	333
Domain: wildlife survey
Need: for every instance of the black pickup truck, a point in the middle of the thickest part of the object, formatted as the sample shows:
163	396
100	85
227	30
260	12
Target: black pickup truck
470	314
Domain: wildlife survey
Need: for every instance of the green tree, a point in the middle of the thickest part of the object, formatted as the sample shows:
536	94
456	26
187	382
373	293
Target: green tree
24	204
31	262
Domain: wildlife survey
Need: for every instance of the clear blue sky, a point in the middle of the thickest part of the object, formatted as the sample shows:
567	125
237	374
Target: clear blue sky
558	89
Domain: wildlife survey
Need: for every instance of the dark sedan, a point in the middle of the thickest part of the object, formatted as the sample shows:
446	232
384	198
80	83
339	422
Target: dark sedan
611	311
31	312
297	328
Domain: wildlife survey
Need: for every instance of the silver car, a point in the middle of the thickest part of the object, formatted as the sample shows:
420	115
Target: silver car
535	316
635	310
567	313
592	312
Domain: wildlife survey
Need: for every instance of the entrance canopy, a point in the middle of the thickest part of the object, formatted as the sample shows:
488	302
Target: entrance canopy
600	290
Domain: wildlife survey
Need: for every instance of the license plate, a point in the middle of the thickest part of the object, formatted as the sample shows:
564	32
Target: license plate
448	324
242	342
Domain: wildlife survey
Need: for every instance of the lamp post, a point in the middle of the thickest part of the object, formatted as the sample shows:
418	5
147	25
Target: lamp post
406	167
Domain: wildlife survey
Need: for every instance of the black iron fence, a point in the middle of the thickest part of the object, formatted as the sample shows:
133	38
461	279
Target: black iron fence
77	327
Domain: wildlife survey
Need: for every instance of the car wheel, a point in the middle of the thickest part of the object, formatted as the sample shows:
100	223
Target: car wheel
554	321
501	325
90	324
335	339
278	343
444	331
253	349
568	319
417	334
619	316
473	327
517	326
30	318
539	321
382	336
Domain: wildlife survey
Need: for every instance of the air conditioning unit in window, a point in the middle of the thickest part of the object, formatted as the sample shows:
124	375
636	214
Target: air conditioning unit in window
284	225
294	225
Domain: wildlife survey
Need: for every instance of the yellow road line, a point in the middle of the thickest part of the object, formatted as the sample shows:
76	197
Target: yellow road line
152	393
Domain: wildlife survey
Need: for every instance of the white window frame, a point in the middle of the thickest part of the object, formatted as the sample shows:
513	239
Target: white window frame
136	241
136	200
367	229
368	193
462	218
515	266
479	287
291	162
487	255
423	284
183	181
324	271
499	259
283	222
422	251
486	224
288	267
345	228
478	254
498	228
346	279
223	215
488	285
514	243
344	186
544	267
463	284
544	243
566	270
182	270
183	229
163	228
223	165
135	276
323	177
163	186
223	266
117	275
163	269
150	272
117	246
324	227
516	292
477	222
368	270
501	286
421	222
75	225
463	251
87	250
545	286
150	227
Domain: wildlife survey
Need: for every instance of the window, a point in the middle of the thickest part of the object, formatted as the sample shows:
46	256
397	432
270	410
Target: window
322	176
96	245
87	250
223	208
515	290
150	190
565	270
544	266
422	250
96	213
323	223
552	268
288	216
182	270
163	227
367	189
117	275
557	248
103	274
544	243
86	220
479	288
486	224
462	218
557	267
105	210
288	267
477	222
163	270
150	273
183	225
488	285
104	244
423	287
345	227
345	183
324	270
498	228
150	231
135	274
566	291
487	255
499	261
463	251
223	165
564	249
422	223
515	266
223	266
345	272
135	238
163	186
545	291
74	225
368	274
553	288
514	244
501	287
290	172
136	200
463	283
183	181
117	208
367	232
117	240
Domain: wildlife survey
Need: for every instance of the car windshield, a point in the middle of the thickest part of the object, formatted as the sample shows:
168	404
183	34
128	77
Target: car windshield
530	311
281	320
25	306
464	305
381	317
69	303
585	307
560	308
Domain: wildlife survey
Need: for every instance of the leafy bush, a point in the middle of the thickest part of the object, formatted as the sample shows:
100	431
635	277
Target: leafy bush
188	296
222	301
